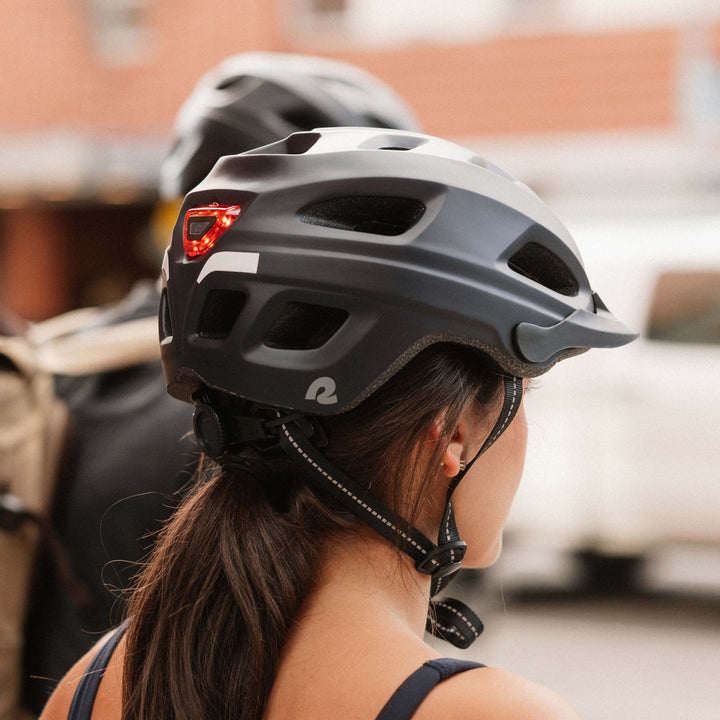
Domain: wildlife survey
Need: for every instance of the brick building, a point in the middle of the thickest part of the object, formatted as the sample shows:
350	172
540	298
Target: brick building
89	91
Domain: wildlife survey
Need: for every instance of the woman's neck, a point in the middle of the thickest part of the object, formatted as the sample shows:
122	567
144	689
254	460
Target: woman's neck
363	620
367	578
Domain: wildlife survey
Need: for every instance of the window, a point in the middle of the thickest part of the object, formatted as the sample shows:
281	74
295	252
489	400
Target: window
120	30
686	308
321	7
320	20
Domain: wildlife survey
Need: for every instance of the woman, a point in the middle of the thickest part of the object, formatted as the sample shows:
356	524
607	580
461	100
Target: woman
353	313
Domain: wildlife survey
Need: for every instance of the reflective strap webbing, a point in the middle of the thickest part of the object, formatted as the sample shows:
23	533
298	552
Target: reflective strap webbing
448	619
453	621
357	499
513	390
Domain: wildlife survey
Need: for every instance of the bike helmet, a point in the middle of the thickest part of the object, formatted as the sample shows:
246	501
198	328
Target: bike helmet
302	275
344	252
253	99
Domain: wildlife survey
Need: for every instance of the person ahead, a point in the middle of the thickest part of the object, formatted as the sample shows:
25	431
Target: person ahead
355	314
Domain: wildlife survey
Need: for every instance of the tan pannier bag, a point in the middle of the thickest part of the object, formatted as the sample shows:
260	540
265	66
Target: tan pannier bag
33	426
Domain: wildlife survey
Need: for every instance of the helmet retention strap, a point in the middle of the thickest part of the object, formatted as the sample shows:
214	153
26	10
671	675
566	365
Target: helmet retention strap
448	619
451	619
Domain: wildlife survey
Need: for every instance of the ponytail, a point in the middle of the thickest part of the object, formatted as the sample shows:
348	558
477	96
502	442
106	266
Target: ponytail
211	612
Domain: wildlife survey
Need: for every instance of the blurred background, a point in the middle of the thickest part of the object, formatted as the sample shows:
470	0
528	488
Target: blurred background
609	589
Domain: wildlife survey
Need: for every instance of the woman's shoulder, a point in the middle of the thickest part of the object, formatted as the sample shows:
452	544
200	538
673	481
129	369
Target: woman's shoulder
107	704
490	692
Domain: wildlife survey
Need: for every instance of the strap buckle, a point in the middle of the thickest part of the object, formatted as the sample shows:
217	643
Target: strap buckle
443	560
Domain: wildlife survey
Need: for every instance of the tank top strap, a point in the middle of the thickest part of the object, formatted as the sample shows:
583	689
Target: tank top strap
84	698
407	698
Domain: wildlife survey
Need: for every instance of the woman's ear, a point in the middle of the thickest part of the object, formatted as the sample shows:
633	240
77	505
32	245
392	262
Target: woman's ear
454	451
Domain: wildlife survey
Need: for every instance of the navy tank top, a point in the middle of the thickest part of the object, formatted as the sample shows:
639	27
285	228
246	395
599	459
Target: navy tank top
401	706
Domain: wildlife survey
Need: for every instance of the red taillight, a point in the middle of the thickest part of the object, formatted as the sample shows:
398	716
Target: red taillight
204	225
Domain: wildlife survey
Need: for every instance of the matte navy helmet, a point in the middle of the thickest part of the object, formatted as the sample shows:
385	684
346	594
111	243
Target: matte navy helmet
304	274
252	99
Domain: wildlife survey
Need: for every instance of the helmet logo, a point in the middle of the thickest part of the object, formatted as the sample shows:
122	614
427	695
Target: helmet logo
322	390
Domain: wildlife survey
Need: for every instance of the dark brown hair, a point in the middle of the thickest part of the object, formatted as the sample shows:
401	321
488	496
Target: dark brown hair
212	608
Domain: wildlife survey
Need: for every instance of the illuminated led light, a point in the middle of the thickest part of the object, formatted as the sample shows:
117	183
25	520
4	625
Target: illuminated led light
204	225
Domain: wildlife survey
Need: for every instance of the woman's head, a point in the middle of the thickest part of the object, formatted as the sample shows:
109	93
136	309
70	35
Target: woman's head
356	276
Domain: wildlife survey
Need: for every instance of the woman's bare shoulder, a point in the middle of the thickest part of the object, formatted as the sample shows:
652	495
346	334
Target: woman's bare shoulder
58	706
487	693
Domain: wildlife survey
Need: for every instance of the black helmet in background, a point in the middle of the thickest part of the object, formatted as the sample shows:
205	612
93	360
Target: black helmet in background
253	99
304	274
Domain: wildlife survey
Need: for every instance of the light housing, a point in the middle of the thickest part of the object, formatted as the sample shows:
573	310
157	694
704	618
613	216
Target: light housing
204	225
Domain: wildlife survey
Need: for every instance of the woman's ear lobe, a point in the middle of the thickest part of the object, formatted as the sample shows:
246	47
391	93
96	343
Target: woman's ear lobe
450	464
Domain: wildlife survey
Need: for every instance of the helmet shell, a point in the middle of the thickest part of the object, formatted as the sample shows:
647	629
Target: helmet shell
253	99
355	249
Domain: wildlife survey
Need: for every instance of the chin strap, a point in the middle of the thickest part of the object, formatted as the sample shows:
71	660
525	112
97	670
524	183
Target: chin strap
448	619
451	619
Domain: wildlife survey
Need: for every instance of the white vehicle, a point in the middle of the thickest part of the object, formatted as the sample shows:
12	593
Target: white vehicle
624	448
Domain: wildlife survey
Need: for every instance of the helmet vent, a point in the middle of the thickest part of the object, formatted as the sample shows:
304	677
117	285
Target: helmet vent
164	316
536	262
372	214
304	326
393	141
305	118
233	81
298	143
219	313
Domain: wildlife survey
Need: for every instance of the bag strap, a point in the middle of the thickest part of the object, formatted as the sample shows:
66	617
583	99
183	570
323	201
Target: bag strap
84	698
408	697
71	350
